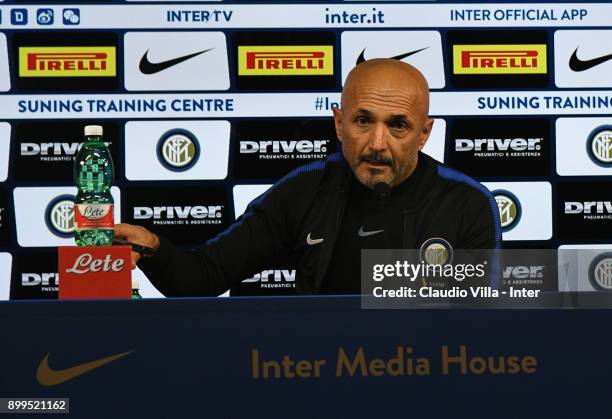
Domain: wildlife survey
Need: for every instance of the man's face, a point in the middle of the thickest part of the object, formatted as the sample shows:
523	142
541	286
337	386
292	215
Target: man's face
381	130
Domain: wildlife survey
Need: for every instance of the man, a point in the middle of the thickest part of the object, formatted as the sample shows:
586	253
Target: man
380	192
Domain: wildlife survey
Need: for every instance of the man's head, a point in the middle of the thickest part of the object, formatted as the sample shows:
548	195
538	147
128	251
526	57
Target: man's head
383	121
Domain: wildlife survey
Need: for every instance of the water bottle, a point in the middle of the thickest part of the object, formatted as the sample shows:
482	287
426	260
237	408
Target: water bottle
94	206
135	289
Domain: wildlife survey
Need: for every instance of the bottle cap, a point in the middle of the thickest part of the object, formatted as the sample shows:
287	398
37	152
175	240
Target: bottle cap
93	130
135	285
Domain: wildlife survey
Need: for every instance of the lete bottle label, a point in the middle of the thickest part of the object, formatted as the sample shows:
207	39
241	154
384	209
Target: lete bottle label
94	216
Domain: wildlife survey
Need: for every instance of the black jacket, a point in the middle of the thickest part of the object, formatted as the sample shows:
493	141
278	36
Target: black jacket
292	217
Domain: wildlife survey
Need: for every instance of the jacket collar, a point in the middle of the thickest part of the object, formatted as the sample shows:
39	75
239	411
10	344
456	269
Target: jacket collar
340	182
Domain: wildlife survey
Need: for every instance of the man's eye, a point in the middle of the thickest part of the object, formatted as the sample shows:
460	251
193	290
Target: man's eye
398	125
362	120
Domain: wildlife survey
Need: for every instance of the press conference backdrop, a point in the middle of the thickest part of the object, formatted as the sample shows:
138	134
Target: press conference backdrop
204	106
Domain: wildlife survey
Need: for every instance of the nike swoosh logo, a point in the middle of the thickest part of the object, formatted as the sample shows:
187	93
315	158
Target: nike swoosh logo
361	57
311	241
47	376
576	64
147	67
368	233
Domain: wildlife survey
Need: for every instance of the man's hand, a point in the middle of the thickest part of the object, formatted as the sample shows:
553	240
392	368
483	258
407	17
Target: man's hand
137	235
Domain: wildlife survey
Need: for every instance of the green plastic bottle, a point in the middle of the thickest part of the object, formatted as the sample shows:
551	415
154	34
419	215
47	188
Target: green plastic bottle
94	205
135	289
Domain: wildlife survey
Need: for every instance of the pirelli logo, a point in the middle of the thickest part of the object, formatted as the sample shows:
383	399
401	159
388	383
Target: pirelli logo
286	60
499	59
67	62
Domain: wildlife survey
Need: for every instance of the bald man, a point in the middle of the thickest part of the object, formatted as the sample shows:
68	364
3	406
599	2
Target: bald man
380	192
384	121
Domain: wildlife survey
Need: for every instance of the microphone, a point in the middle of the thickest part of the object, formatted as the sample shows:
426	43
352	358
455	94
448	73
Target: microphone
383	191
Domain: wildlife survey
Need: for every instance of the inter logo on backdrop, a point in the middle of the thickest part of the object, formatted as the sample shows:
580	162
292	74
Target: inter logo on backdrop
178	150
44	215
600	272
59	216
599	146
509	209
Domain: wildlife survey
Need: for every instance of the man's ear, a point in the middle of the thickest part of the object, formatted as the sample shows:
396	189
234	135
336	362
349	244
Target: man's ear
338	122
425	132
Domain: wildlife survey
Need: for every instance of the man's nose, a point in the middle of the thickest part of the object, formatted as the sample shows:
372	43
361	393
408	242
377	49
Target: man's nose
378	138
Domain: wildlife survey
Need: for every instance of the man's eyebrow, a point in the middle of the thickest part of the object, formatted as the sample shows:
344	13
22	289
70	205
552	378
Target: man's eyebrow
362	111
397	118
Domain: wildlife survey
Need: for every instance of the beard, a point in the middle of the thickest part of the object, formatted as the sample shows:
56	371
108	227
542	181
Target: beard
373	175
